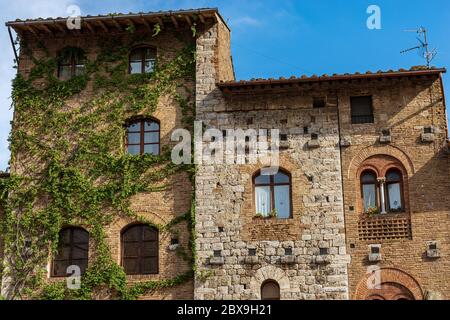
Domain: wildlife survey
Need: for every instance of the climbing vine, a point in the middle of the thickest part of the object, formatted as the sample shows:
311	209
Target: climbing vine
71	167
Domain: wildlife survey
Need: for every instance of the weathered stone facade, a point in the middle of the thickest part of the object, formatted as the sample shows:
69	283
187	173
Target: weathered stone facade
322	251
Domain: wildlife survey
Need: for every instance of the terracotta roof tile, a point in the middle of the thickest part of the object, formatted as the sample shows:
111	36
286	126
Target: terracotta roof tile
414	71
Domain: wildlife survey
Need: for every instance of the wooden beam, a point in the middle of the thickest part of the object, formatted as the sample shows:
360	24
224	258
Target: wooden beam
47	29
117	24
131	23
188	20
88	25
59	27
104	27
32	30
160	22
174	21
147	25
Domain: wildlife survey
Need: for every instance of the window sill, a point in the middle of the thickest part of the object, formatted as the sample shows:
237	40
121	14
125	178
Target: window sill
272	219
365	216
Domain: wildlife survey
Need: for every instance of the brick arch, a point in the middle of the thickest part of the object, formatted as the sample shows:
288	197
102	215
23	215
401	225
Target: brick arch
390	276
269	273
371	151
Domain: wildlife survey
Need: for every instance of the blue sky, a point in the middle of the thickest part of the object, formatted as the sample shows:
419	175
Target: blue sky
272	38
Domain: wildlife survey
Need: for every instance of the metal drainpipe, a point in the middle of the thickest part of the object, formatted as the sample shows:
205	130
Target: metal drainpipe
12	44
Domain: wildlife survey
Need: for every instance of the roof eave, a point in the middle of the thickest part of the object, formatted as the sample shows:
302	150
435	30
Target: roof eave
349	77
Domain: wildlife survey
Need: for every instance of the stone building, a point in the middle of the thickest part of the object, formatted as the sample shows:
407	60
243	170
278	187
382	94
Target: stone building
361	195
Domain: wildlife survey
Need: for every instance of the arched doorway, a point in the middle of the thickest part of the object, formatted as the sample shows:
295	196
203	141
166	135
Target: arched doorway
393	284
270	290
390	291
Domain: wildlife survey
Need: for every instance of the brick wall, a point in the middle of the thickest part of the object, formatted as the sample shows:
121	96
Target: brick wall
160	207
406	107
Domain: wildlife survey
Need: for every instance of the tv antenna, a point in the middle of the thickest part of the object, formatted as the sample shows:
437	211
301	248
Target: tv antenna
423	48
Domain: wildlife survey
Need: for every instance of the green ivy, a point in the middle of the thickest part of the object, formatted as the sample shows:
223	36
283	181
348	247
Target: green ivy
87	179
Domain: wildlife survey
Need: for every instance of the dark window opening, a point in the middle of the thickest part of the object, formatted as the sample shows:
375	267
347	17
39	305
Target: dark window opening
323	251
270	291
428	130
142	60
319	102
140	250
362	110
284	137
375	250
252	252
288	251
73	250
217	253
71	63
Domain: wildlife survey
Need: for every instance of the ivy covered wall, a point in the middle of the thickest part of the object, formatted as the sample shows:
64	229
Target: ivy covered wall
69	164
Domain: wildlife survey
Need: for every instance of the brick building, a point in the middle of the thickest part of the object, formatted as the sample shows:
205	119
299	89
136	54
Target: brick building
362	194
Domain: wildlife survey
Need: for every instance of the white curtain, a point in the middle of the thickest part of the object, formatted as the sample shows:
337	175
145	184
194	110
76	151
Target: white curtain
369	194
282	202
262	198
395	199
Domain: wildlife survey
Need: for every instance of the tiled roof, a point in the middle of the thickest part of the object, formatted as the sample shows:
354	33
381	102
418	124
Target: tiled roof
122	15
55	24
414	71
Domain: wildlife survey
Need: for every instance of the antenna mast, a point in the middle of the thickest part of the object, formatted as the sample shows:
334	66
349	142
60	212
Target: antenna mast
423	46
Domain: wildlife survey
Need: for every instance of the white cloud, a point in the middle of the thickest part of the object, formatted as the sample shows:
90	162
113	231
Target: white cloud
245	21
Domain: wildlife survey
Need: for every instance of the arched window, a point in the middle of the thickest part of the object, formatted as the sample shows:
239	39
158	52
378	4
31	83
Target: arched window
71	63
143	137
140	250
142	60
270	290
394	190
369	190
73	250
273	195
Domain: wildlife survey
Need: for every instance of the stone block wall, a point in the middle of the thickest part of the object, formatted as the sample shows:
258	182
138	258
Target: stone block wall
225	212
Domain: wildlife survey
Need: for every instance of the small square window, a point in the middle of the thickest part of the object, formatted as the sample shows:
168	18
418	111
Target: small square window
221	229
288	251
375	249
305	130
362	110
217	253
428	130
174	241
314	136
323	251
252	252
284	137
249	121
319	102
